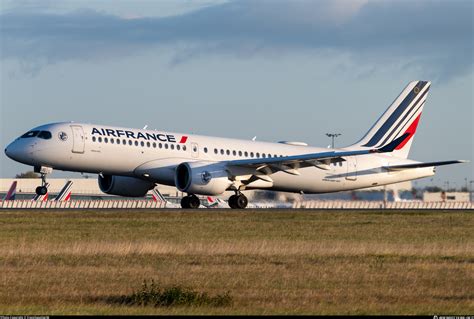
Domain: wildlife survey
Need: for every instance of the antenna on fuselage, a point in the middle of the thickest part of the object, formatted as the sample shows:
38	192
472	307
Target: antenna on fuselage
254	138
145	127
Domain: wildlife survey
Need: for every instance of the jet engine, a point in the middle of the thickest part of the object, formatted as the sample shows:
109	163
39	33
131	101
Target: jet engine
203	178
124	186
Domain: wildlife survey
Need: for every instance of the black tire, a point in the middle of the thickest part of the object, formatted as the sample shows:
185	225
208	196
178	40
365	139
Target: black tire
185	202
241	201
233	201
41	190
194	202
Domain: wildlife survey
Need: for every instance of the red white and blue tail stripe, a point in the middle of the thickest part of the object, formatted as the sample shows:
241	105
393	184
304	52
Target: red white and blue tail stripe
402	117
157	196
65	193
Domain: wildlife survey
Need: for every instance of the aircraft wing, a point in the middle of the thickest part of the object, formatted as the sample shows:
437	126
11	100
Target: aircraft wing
420	165
290	164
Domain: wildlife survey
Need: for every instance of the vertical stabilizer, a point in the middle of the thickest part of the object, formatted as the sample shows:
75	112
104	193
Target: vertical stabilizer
402	117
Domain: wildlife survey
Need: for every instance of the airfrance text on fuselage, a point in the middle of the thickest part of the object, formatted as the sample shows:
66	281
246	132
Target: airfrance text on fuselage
139	135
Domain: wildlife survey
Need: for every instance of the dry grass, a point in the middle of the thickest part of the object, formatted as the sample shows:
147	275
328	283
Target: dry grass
281	262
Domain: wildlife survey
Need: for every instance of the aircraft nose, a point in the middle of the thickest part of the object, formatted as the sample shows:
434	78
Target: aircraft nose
12	151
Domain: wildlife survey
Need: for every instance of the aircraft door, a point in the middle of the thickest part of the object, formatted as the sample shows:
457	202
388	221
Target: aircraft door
194	150
78	139
351	168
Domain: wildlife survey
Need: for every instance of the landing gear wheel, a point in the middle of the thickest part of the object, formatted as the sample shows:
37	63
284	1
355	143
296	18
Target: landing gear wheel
41	190
232	201
239	201
190	201
194	202
185	202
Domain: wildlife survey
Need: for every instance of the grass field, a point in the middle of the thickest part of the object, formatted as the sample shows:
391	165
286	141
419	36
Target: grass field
270	262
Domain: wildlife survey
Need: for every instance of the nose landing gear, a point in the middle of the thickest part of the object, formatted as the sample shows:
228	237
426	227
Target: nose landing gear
238	201
43	170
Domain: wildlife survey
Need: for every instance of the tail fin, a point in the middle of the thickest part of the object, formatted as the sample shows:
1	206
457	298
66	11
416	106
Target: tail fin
400	118
65	193
11	192
157	196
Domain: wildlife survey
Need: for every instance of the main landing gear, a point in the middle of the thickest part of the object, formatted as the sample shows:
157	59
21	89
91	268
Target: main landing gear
190	201
238	201
42	190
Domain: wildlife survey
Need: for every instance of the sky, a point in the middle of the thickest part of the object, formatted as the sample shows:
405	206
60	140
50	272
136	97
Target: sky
278	70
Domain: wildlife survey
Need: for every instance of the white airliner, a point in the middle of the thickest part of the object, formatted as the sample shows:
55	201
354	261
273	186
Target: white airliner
132	161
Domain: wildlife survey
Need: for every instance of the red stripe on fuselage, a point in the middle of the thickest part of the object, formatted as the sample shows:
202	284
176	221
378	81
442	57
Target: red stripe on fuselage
411	130
183	139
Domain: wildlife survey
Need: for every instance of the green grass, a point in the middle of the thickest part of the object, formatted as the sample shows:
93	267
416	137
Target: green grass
268	262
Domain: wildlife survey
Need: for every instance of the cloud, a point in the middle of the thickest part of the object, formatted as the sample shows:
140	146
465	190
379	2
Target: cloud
435	36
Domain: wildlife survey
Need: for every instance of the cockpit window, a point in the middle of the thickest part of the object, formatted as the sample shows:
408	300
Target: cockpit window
41	134
45	135
30	134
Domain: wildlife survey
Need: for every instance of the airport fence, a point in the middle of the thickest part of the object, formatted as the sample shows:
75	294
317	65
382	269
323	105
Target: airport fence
381	205
82	204
148	204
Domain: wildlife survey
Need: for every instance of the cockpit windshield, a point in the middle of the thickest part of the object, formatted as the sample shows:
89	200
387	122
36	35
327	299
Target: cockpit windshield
30	134
45	135
41	134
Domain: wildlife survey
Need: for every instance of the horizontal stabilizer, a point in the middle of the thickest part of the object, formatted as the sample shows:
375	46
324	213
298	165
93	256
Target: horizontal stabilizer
421	165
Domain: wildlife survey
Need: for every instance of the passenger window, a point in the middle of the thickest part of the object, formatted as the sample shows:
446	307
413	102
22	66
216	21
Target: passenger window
136	143
118	141
184	147
160	145
215	151
154	145
111	141
106	140
124	142
205	149
228	152
178	147
142	143
222	151
234	153
240	153
172	146
258	155
166	146
251	154
263	155
246	154
44	135
100	139
93	138
148	144
130	142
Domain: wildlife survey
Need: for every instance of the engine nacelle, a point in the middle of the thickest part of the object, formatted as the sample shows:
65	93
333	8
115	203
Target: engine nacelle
203	178
124	186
